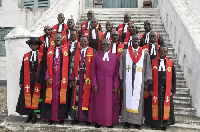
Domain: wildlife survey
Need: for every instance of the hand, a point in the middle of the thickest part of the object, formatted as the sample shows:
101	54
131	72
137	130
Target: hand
151	93
72	83
48	82
20	85
146	87
96	89
115	90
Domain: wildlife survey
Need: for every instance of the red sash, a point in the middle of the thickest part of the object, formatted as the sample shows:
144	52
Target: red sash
55	28
36	94
64	37
121	27
120	48
100	34
87	84
142	35
155	108
64	79
27	87
84	24
135	60
41	49
146	47
68	44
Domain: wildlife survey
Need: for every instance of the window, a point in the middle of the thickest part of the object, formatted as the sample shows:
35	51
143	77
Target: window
0	3
35	4
3	33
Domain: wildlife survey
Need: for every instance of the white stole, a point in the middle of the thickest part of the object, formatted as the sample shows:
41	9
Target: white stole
133	96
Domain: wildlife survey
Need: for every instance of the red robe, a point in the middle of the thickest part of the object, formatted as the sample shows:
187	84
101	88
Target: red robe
42	38
84	25
55	28
121	27
65	35
67	45
142	35
120	48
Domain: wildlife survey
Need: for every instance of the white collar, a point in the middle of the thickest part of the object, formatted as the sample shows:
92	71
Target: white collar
84	50
106	57
135	49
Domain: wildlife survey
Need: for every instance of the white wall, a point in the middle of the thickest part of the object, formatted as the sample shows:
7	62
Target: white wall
195	4
182	23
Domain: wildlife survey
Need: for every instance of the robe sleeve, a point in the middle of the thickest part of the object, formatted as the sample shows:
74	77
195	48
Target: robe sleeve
116	78
121	66
148	70
94	71
173	90
160	40
47	75
21	79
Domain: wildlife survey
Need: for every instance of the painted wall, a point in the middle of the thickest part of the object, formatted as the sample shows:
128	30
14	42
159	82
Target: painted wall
182	23
195	4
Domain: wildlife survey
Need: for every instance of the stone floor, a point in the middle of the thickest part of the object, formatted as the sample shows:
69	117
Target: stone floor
3	99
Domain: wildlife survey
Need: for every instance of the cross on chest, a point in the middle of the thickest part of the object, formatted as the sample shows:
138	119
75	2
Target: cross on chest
155	98
128	68
89	55
27	87
56	67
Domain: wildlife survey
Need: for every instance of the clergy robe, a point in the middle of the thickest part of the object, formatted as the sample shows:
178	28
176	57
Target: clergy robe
21	107
104	105
84	27
55	103
118	49
121	31
94	43
163	87
55	28
81	95
130	115
66	36
159	40
107	35
50	43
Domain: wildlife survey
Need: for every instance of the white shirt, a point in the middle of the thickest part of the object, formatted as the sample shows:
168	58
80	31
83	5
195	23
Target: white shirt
94	34
57	52
162	65
106	57
125	27
68	35
108	35
135	50
130	41
33	55
47	42
72	46
88	26
153	49
114	48
147	37
60	27
84	50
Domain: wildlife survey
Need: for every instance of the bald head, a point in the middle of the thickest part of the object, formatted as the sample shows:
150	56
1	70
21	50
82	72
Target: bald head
47	30
61	18
90	15
127	18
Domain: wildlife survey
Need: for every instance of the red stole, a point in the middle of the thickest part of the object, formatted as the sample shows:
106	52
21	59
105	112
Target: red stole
84	25
120	48
27	86
55	28
65	35
121	27
127	38
41	49
67	45
64	79
100	34
169	65
87	84
142	35
146	47
135	60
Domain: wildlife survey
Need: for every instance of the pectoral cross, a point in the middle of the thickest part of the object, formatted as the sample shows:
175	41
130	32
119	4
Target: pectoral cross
128	68
155	98
36	89
64	80
56	67
27	87
167	99
89	55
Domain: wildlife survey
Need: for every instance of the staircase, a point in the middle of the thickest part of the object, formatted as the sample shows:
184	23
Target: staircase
184	112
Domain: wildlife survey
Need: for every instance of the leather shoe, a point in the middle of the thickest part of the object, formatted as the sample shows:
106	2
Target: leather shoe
50	122
126	125
34	119
28	119
138	127
164	128
74	122
97	125
110	126
61	122
87	123
153	127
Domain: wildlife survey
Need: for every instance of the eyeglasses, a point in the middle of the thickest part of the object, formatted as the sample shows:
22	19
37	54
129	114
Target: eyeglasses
47	29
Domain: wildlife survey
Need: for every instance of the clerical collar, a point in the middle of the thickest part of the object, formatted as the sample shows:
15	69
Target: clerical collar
84	50
106	57
135	49
74	41
162	59
126	23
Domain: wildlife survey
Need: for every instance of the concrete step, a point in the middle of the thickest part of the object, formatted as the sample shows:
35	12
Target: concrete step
185	111
187	119
181	83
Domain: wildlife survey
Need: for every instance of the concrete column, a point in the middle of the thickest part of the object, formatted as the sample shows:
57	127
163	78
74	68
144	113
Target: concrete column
16	47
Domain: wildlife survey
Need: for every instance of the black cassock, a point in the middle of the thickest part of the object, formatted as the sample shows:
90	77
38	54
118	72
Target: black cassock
20	108
160	40
161	98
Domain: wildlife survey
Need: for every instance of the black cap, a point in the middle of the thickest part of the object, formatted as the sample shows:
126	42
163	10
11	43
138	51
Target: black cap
34	40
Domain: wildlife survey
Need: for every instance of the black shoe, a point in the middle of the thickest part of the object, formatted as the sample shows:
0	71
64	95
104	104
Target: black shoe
164	128
74	122
138	127
50	122
153	127
34	119
110	126
97	125
126	125
61	122
28	119
87	123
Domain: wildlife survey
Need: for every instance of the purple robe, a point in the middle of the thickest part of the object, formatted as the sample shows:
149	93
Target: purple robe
104	105
55	87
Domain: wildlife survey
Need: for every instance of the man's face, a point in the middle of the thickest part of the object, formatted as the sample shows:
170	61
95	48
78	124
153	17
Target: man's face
152	37
93	23
106	45
58	39
147	26
34	46
73	36
83	42
89	16
70	24
126	18
61	18
47	30
162	52
132	28
135	41
115	36
108	26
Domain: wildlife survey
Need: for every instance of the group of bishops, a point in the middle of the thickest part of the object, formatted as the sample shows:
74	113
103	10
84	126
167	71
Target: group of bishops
90	76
